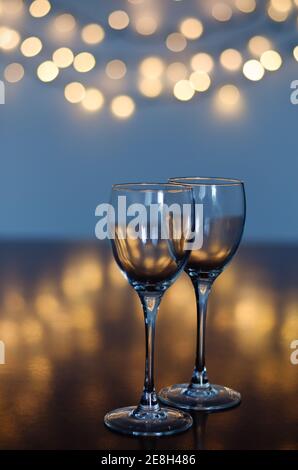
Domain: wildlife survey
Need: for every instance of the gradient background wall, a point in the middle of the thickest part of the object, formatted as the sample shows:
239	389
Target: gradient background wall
58	163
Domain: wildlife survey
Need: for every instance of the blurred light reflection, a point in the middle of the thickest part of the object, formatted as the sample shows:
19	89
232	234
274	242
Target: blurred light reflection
69	328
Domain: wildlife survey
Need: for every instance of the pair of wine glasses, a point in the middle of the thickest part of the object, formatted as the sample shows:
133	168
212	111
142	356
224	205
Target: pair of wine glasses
151	264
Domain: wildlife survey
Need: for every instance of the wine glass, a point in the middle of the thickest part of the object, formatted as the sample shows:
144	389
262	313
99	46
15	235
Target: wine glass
222	224
151	253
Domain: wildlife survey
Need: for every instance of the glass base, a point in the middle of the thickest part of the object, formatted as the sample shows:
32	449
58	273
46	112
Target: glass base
210	398
163	422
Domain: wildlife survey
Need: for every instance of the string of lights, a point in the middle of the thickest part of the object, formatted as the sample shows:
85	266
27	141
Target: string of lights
180	67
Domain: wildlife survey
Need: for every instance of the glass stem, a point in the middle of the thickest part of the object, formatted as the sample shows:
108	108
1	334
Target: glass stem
202	289
150	304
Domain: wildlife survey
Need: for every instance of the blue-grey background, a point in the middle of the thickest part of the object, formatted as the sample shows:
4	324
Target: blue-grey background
58	163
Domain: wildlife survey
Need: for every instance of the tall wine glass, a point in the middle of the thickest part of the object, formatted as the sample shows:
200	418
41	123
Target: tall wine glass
224	210
151	261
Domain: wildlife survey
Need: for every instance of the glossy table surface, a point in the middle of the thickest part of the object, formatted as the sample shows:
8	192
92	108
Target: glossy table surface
74	344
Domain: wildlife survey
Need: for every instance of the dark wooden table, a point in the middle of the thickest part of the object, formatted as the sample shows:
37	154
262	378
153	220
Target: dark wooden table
73	333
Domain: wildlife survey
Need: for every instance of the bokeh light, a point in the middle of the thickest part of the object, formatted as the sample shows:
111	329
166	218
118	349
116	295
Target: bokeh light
257	45
176	71
11	7
93	100
184	79
253	70
227	99
295	53
122	106
74	92
202	62
32	46
271	60
152	67
93	34
39	8
64	23
183	90
9	38
176	42
13	73
151	88
246	6
63	57
200	81
47	71
118	20
279	10
116	69
84	62
222	11
281	5
146	25
191	28
231	59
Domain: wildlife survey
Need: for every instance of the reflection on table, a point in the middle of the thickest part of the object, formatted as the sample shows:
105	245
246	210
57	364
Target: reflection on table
74	343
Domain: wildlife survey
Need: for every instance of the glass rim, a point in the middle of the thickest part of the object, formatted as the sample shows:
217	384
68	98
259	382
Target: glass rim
152	187
206	181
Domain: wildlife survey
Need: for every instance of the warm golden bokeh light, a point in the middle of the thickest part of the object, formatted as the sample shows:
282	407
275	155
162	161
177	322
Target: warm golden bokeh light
63	57
93	100
176	71
183	90
39	8
200	81
74	92
191	28
271	60
253	70
11	7
290	325
222	11
47	71
30	47
231	59
116	69
246	6
152	67
122	106
151	88
227	99
84	62
202	62
176	42
246	319
32	331
277	15
146	25
93	34
82	275
118	19
65	23
295	53
9	38
281	5
154	74
13	73
257	45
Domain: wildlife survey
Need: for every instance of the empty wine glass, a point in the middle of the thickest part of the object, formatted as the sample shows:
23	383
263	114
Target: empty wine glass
151	252
222	224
